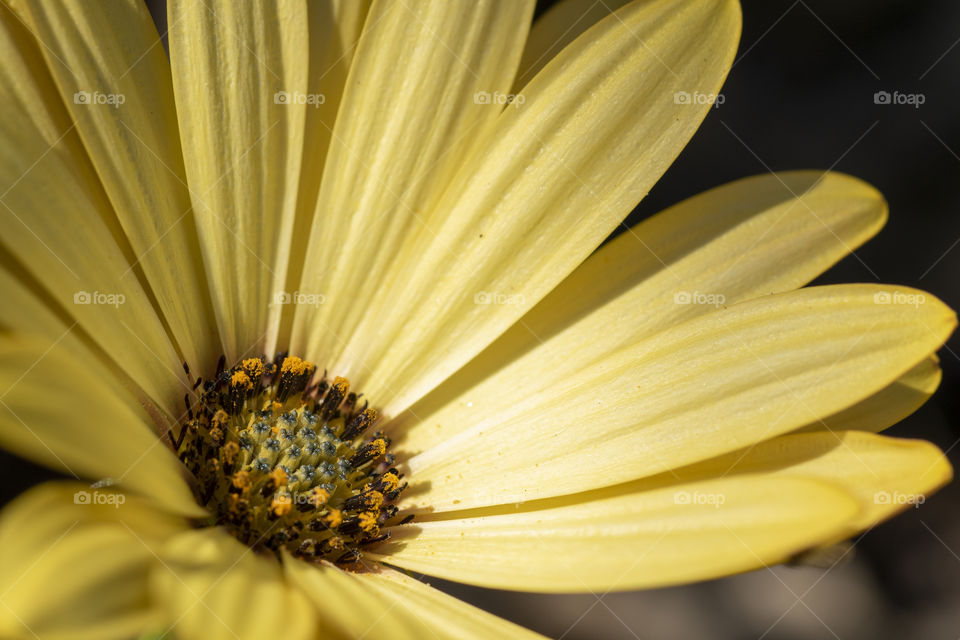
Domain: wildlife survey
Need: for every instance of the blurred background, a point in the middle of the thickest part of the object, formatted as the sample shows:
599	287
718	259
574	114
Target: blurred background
801	95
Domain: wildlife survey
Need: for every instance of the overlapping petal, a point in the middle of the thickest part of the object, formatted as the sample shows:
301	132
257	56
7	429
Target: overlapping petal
410	114
888	406
560	25
705	387
652	532
75	563
384	603
211	586
115	54
59	224
597	128
53	410
756	236
625	540
238	70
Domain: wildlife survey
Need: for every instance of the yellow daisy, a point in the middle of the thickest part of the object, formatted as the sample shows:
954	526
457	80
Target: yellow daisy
405	199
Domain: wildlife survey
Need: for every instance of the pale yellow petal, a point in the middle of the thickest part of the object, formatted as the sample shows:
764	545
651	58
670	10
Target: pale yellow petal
675	534
708	386
56	220
53	411
238	69
214	587
888	406
111	52
74	563
334	31
559	26
29	310
885	475
410	114
760	235
597	127
383	603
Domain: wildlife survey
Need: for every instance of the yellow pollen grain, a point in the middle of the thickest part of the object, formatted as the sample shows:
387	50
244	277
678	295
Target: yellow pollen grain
380	446
230	452
219	418
241	480
240	379
253	367
341	383
367	522
319	497
279	477
280	505
333	519
374	500
296	366
390	481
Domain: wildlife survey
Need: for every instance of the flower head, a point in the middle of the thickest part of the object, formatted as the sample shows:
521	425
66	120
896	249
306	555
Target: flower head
319	298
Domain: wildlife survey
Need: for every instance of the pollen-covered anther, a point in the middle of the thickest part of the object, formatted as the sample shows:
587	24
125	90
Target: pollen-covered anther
368	523
318	497
281	460
333	519
280	505
371	450
241	480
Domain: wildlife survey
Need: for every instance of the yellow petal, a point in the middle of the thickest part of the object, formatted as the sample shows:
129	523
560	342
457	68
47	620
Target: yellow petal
675	534
705	387
74	563
382	603
598	126
390	157
760	235
53	411
57	222
334	30
239	71
885	475
27	310
214	587
114	53
888	406
559	26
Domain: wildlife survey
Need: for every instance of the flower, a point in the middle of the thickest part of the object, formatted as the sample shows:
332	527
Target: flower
410	196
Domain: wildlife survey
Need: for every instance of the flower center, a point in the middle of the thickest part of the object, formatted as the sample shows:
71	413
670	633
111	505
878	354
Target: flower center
281	460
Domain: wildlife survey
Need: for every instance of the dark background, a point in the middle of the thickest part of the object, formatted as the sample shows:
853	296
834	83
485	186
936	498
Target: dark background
801	95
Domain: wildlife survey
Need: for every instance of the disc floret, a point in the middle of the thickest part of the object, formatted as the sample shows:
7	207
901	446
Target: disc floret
282	460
